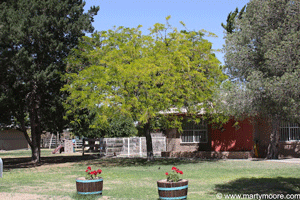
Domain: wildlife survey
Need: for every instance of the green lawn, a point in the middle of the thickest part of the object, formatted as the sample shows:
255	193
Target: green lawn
136	178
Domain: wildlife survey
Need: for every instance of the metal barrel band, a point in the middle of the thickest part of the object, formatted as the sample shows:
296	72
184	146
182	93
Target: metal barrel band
183	197
89	181
98	192
173	188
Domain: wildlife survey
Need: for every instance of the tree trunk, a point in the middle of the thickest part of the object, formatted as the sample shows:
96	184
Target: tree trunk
35	124
274	139
24	129
147	132
35	140
35	148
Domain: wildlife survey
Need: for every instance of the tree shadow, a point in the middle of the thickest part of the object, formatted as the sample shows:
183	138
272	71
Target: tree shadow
86	197
128	162
233	137
278	185
25	162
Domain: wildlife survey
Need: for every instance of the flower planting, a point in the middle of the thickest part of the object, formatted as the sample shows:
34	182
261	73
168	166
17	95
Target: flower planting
174	175
92	174
90	184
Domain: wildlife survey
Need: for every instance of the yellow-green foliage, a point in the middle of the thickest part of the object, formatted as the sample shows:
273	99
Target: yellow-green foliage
123	71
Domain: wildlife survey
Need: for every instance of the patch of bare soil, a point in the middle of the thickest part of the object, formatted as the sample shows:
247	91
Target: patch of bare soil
25	196
22	196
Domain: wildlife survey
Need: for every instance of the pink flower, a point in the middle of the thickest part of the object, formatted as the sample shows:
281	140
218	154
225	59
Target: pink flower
167	173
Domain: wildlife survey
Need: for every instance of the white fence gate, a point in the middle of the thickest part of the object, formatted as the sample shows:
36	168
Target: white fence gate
132	146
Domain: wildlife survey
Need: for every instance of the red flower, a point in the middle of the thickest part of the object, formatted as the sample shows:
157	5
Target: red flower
99	171
180	172
92	173
89	168
86	170
174	168
167	173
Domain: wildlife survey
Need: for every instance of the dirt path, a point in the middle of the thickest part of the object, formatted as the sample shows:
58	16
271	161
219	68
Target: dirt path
22	196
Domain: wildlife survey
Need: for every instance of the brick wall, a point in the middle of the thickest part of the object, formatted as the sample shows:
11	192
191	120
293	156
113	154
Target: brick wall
209	154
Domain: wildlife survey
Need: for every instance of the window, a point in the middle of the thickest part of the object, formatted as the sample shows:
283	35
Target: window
194	133
289	131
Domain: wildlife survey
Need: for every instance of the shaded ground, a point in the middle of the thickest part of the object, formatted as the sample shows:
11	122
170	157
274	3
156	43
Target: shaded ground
25	162
278	185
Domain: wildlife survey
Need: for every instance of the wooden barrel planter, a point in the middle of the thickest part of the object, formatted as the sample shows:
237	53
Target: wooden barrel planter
93	186
172	190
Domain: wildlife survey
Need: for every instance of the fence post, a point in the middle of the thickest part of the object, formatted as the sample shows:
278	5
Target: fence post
165	143
141	147
105	140
50	143
128	147
1	168
83	143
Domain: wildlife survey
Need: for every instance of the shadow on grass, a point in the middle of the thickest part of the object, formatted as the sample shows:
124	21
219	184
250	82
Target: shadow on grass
127	162
86	197
278	185
25	162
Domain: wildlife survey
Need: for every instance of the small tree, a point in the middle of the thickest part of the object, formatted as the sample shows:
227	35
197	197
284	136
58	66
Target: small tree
142	76
262	55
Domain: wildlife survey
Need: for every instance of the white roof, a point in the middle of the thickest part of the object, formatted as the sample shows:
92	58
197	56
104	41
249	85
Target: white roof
179	111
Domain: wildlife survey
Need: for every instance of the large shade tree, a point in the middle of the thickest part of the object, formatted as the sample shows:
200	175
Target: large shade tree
143	77
262	56
35	38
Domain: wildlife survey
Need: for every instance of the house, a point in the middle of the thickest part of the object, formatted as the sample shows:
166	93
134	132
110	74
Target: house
289	138
245	139
12	139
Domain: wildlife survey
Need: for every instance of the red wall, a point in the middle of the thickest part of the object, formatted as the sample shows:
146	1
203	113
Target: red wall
233	139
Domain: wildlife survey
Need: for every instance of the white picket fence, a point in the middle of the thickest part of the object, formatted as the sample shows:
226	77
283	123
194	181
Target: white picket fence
126	146
132	146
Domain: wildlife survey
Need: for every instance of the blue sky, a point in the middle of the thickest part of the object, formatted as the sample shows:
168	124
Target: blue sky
196	14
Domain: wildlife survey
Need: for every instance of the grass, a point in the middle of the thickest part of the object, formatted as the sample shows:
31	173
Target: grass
136	178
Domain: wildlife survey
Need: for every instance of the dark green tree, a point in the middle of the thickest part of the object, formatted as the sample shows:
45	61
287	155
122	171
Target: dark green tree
35	38
262	54
232	16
